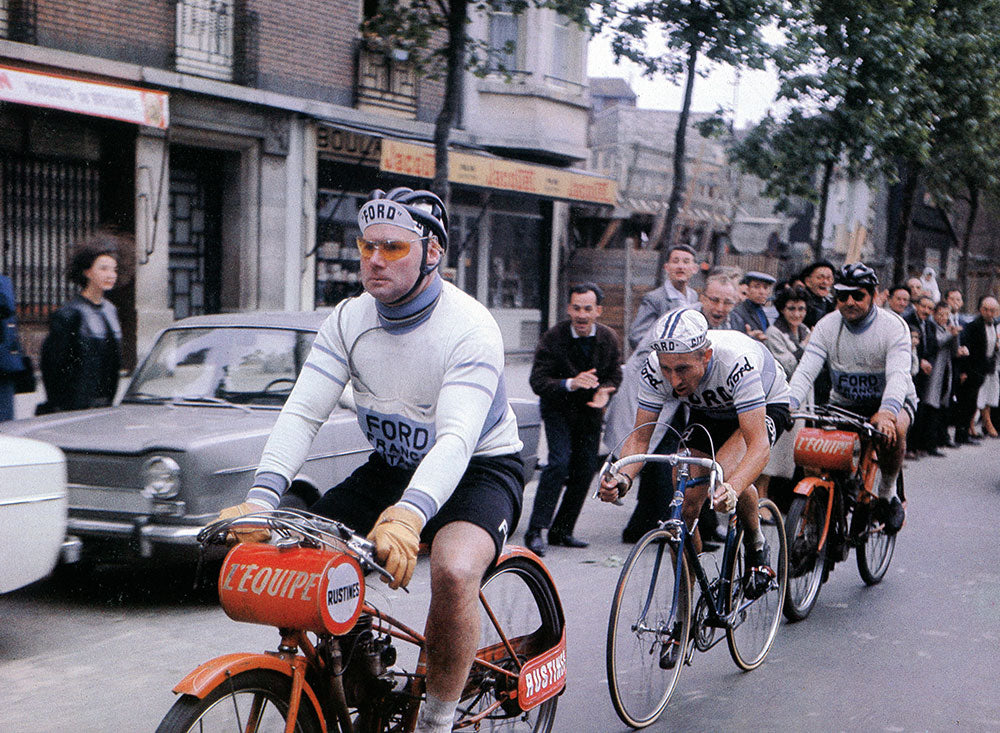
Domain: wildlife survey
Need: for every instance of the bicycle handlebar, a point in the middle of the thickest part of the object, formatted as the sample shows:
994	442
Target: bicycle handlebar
300	528
613	468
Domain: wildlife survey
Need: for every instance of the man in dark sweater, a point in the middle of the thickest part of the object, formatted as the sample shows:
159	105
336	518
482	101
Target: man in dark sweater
577	366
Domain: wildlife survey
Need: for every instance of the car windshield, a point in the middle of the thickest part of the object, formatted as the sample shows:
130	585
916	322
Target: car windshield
238	365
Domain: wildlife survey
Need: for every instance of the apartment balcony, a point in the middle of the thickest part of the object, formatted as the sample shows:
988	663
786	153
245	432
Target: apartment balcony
385	82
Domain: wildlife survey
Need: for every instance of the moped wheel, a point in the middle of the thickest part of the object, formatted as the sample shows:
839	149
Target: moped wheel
519	604
875	546
641	628
806	559
255	701
755	623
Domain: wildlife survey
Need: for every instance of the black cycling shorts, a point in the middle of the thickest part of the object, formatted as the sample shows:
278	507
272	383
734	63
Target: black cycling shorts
488	495
777	418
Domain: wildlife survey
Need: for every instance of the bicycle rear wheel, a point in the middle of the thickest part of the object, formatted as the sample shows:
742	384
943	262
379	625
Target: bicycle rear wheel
255	701
756	622
875	547
806	559
521	598
641	626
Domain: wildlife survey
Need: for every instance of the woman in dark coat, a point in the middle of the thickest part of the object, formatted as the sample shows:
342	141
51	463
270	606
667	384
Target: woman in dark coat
81	355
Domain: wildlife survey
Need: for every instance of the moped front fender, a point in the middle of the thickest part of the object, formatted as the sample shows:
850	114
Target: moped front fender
209	675
805	487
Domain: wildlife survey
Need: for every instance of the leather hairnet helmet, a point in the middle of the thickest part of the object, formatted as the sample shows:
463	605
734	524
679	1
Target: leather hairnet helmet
856	275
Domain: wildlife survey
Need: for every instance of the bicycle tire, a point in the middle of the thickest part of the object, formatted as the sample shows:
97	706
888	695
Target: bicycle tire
640	689
228	707
754	629
875	546
803	527
522	599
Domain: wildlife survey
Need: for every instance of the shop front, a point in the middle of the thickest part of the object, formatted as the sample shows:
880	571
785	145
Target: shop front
508	223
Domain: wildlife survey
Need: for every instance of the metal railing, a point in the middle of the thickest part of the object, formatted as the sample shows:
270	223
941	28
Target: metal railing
204	42
385	82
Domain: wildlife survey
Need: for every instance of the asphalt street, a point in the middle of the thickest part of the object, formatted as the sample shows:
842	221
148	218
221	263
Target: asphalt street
919	652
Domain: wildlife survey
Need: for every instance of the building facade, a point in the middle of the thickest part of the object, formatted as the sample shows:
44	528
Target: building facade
227	143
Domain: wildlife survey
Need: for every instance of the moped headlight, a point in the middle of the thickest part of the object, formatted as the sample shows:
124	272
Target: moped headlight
161	478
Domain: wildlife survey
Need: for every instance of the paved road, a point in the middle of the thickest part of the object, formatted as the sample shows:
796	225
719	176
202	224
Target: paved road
919	652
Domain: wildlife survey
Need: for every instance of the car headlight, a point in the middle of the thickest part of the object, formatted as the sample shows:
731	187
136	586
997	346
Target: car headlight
161	478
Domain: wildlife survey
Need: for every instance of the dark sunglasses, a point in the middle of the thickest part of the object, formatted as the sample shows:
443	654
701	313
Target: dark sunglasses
856	295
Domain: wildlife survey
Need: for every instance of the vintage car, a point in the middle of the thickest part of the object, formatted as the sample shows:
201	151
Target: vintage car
146	474
32	510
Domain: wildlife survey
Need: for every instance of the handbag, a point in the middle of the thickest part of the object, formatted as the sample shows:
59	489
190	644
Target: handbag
24	380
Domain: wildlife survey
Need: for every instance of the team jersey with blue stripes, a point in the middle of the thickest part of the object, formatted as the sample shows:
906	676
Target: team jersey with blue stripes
742	375
429	393
869	362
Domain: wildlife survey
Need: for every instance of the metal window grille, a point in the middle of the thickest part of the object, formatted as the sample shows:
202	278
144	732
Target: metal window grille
4	19
46	206
193	262
204	38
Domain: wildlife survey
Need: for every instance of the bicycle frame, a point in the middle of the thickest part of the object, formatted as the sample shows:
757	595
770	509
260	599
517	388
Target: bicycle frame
297	655
716	607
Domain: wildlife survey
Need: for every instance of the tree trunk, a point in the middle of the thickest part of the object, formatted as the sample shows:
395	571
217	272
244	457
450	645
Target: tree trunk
900	248
824	197
970	222
458	11
680	178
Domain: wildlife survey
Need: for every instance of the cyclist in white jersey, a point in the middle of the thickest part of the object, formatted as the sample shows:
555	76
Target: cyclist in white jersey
425	362
738	393
868	351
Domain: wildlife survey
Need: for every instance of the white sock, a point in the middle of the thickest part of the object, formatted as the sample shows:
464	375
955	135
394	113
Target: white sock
887	489
436	716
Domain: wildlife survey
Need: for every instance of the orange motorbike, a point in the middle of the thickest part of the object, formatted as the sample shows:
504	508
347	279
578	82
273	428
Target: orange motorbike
834	505
336	667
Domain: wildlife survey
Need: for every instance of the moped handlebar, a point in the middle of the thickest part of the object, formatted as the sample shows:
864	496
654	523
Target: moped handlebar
297	528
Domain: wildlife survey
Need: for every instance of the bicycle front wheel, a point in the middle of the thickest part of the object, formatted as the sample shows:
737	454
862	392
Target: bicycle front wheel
806	559
643	624
520	612
874	546
255	701
755	623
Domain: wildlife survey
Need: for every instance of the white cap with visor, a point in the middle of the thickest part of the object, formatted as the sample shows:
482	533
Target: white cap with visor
680	331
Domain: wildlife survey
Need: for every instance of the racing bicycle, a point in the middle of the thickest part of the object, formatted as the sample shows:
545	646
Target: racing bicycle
336	666
655	626
834	505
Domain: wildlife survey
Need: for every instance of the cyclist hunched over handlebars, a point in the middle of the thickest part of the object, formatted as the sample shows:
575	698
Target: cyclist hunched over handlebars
425	362
738	393
868	351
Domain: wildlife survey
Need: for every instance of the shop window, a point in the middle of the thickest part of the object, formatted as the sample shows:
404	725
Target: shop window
515	275
338	262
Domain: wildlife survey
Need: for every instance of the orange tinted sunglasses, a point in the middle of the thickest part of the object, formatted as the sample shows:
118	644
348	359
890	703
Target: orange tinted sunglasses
392	249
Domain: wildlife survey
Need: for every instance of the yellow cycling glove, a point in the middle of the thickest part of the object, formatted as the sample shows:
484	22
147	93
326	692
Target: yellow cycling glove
396	535
246	534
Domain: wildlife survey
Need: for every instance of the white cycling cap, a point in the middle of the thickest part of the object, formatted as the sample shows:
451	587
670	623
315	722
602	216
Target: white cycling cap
680	331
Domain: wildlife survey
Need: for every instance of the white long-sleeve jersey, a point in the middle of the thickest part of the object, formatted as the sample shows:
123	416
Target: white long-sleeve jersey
742	375
428	384
869	362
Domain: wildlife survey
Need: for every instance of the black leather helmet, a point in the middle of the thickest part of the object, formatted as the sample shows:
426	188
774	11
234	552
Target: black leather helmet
856	275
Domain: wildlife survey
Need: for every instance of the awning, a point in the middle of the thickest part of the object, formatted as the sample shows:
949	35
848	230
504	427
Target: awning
488	171
128	104
653	207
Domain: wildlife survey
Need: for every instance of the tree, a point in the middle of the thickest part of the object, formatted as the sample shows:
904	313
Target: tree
787	154
718	31
434	36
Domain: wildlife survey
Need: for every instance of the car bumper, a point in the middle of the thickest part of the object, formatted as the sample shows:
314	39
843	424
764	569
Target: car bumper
139	531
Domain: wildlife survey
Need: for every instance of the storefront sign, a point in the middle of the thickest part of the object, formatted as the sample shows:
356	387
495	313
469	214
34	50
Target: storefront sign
352	147
129	104
480	170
